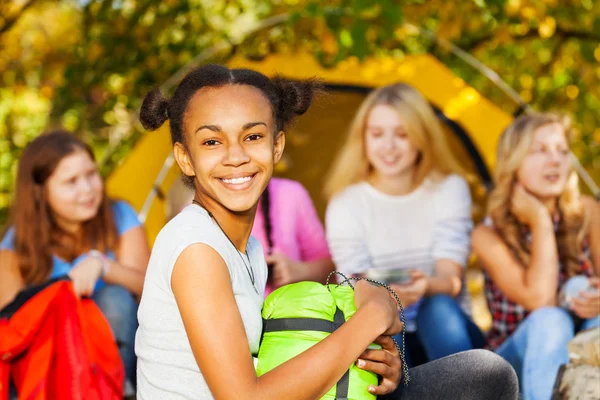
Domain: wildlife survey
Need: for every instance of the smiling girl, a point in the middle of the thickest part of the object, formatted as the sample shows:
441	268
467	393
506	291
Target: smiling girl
540	233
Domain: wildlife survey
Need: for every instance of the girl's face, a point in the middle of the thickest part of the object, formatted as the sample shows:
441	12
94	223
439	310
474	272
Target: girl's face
545	170
389	149
75	189
230	134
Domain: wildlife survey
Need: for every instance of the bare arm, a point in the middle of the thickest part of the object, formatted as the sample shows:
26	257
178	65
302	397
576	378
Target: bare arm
286	271
132	260
532	286
593	208
447	278
11	281
451	244
223	346
318	270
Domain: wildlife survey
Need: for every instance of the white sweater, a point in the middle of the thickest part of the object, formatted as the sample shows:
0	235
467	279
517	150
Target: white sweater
370	229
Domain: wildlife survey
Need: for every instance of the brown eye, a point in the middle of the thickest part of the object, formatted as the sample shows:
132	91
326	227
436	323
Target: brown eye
253	137
211	142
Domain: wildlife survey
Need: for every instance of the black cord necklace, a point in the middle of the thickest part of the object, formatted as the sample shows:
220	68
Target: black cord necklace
249	269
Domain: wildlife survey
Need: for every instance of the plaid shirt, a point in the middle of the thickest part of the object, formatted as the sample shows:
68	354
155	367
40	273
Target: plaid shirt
506	314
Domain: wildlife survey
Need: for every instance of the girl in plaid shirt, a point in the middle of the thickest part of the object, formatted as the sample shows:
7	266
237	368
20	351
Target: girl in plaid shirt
539	233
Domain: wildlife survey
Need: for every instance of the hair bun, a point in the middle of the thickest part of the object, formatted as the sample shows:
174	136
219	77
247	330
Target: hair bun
154	111
295	97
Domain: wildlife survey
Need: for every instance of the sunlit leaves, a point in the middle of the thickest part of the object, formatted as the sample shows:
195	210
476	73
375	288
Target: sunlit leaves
86	64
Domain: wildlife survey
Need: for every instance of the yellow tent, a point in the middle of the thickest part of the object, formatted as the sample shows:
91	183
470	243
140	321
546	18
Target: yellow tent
473	124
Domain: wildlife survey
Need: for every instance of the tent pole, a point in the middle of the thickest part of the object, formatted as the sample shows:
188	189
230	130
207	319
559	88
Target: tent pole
156	191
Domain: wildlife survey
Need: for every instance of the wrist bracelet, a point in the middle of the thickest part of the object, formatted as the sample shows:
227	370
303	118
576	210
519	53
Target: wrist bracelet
100	256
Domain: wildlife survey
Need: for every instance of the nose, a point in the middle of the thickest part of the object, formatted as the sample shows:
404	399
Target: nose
236	155
389	142
557	156
86	185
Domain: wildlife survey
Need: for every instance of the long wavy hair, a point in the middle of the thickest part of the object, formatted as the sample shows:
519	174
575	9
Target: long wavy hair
37	236
435	158
572	223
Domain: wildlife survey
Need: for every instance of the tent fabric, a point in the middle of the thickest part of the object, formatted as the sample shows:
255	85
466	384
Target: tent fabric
300	315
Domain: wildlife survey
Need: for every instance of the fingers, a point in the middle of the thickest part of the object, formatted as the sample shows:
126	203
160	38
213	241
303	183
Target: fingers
378	368
382	356
387	344
590	296
386	387
83	287
595	282
584	308
417	274
89	288
390	375
76	288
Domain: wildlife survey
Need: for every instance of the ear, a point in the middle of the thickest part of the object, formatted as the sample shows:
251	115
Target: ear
278	146
183	159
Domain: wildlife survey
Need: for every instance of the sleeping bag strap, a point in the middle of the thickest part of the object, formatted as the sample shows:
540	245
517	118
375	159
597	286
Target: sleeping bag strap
312	324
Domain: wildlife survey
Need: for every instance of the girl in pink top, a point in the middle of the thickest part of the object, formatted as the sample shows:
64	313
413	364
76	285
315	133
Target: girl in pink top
291	234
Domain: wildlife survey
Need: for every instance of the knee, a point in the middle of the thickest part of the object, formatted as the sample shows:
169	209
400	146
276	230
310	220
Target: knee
550	322
496	372
548	331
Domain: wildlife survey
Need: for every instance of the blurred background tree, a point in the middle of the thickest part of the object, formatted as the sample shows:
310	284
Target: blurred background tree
85	64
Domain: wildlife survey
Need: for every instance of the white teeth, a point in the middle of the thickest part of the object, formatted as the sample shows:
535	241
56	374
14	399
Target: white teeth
237	181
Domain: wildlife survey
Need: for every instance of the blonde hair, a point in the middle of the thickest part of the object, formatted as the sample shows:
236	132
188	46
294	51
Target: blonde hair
512	149
421	125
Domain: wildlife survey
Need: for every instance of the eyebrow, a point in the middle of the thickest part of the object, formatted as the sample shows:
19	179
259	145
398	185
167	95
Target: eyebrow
217	128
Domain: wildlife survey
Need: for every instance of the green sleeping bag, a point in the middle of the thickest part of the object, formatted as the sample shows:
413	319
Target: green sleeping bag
298	316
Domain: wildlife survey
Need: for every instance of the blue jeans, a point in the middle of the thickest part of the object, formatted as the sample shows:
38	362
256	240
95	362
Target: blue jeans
444	329
538	347
120	309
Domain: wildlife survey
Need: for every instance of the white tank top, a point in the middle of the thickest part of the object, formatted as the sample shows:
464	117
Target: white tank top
166	368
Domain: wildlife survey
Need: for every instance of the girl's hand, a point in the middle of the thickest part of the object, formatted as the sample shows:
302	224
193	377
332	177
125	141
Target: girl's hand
368	294
526	207
385	363
587	305
410	293
285	270
85	275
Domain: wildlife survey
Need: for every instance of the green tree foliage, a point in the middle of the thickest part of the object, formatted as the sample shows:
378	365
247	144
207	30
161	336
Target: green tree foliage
85	64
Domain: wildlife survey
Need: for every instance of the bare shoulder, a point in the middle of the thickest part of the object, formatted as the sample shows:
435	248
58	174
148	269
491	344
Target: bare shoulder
591	206
484	235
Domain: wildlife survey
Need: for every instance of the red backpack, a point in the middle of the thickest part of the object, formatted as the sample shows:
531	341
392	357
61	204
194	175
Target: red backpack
56	346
